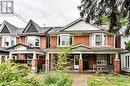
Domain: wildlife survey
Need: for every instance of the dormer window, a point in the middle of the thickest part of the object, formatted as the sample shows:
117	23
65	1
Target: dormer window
98	39
7	7
33	41
64	40
8	41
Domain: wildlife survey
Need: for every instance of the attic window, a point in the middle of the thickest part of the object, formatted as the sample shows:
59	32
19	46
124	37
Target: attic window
7	7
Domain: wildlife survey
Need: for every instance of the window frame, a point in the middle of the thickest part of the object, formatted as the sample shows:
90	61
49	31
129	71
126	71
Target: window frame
7	9
103	59
127	61
59	41
9	40
34	40
92	39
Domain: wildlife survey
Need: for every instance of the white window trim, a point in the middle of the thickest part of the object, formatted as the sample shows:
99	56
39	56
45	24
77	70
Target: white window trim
127	61
10	37
103	56
35	40
93	39
59	45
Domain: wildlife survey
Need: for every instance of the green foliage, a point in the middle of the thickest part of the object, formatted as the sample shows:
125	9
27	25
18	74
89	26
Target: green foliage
15	75
108	80
62	59
127	45
56	79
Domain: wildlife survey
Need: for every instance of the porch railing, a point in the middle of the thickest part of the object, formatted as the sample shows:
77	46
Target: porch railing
102	67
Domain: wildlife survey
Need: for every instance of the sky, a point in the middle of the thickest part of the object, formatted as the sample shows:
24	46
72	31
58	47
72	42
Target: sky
44	12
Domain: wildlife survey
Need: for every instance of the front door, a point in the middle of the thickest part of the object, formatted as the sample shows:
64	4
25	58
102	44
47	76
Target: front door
85	62
76	61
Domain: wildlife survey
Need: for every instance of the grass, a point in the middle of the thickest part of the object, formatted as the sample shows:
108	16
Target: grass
108	80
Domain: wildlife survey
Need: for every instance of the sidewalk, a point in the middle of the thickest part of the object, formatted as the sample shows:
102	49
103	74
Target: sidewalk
79	80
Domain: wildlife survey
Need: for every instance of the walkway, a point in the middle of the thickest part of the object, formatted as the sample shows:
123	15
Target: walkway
79	79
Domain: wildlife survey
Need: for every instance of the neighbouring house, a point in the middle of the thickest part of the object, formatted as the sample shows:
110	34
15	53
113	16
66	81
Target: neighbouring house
25	45
125	55
93	48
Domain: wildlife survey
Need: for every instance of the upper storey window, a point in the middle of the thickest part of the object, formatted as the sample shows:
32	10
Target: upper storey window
8	41
98	39
33	41
64	40
7	7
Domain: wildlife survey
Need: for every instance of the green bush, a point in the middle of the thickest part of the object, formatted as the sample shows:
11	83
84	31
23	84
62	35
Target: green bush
56	79
15	75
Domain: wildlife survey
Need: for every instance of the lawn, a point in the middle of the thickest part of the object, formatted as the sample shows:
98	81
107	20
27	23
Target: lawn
108	80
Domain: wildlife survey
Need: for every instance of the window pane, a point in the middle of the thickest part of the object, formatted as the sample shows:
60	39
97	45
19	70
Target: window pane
98	39
37	41
6	41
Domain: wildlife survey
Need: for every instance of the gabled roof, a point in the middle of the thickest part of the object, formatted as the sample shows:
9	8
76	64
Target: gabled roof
9	28
32	27
12	47
80	25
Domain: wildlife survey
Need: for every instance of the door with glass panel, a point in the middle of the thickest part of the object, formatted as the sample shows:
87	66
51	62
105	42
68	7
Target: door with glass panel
76	61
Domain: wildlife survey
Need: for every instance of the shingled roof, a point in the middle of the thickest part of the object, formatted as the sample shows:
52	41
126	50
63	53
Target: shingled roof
32	27
13	30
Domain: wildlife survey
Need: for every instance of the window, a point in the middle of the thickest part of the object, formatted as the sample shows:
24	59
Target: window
7	7
33	41
127	61
101	59
8	41
65	40
98	39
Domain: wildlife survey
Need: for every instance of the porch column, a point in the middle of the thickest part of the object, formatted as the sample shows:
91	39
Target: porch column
34	63
117	65
47	62
52	62
10	58
80	64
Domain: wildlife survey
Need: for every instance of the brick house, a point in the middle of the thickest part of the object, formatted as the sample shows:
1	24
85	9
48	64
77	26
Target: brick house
25	45
93	48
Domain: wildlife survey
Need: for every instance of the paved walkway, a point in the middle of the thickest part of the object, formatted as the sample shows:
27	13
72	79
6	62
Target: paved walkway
79	80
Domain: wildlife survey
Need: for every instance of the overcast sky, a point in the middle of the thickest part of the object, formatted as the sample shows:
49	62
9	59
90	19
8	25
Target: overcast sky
48	12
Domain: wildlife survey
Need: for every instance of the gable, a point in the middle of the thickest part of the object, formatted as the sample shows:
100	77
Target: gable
5	30
20	48
31	28
81	25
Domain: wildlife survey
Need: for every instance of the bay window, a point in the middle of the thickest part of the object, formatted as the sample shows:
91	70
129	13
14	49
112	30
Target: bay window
98	39
64	40
8	41
33	41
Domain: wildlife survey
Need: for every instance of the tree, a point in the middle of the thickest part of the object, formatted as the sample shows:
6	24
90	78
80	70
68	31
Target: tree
115	10
62	59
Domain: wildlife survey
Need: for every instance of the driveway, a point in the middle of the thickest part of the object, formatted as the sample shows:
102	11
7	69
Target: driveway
79	80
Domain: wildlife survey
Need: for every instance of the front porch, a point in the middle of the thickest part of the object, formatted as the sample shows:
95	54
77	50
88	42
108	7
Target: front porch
86	62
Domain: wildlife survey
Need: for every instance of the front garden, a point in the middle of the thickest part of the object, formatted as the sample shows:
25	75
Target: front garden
108	80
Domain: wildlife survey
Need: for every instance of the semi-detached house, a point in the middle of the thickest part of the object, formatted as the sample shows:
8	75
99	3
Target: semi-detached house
93	48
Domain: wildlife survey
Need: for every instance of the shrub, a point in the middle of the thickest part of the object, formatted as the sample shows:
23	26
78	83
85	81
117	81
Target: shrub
15	75
56	79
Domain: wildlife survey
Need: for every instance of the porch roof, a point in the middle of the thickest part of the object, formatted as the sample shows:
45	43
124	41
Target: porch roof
21	48
92	50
